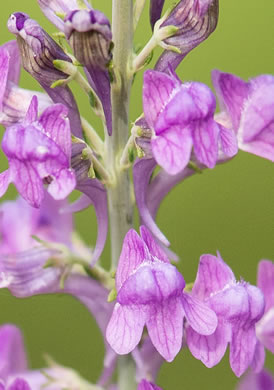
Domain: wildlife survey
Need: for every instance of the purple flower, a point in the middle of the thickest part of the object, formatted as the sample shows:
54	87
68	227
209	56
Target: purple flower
38	151
265	327
248	109
145	385
195	20
150	292
14	101
38	51
238	305
181	116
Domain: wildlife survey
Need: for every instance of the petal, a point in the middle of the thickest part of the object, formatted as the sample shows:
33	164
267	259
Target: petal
19	384
32	113
262	381
56	125
199	316
125	328
242	348
158	89
209	349
142	171
27	182
96	194
229	143
4	69
189	102
256	132
172	149
212	276
148	360
145	385
80	204
165	327
154	249
153	282
5	179
205	141
232	93
265	329
134	252
265	281
12	353
259	357
27	273
11	48
156	7
63	184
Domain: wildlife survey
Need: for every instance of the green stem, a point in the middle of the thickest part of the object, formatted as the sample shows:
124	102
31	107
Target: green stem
120	204
119	194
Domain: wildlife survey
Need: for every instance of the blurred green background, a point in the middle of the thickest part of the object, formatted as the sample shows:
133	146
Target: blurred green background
229	209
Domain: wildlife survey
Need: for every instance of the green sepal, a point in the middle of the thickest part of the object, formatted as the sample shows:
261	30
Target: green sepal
60	15
92	99
194	166
112	295
131	155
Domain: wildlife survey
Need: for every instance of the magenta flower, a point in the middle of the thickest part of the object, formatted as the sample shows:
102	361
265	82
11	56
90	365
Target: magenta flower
248	109
38	151
181	116
238	305
150	292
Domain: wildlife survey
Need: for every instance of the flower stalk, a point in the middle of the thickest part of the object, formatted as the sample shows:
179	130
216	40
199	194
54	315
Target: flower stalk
120	206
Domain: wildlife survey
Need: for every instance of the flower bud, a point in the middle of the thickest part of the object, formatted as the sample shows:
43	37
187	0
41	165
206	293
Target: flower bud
38	51
195	20
89	34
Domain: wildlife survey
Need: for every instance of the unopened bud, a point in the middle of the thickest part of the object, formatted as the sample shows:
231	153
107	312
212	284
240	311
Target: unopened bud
89	34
